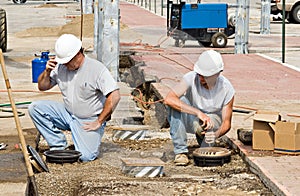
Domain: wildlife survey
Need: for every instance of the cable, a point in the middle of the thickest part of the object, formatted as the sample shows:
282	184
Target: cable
9	110
141	99
17	103
176	62
12	115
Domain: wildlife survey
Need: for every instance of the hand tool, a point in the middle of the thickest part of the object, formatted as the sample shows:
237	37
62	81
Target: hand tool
31	184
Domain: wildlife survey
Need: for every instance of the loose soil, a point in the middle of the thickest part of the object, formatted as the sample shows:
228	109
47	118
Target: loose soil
73	27
104	176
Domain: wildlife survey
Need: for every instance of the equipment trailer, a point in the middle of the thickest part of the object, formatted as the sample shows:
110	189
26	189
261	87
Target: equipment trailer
207	23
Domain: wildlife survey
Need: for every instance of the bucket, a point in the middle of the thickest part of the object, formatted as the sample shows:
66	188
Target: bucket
39	65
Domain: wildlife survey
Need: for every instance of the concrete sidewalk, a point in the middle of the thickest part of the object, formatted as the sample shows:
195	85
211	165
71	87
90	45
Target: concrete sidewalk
261	82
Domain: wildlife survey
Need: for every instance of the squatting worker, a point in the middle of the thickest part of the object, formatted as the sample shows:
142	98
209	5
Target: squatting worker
90	95
202	102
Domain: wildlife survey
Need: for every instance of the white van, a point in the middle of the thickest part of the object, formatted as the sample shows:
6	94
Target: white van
292	9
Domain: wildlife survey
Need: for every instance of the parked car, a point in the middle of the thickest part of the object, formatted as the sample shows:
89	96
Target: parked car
3	30
19	1
292	9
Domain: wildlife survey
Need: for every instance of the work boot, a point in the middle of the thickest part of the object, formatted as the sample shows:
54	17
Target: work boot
181	160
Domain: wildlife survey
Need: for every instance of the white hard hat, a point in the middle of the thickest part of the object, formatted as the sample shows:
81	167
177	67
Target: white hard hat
66	47
209	63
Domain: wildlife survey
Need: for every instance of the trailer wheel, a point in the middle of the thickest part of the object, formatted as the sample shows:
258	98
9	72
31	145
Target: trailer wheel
3	30
219	40
19	1
205	44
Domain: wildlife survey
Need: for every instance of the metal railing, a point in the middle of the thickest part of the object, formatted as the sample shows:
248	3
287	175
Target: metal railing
158	7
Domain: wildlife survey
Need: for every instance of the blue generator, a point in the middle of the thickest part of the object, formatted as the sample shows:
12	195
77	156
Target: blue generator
206	23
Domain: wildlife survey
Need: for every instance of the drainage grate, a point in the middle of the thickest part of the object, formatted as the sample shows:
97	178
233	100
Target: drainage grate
211	156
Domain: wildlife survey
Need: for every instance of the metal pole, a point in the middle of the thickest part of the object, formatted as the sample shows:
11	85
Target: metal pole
162	7
87	6
265	17
81	19
242	26
283	31
95	26
168	13
108	43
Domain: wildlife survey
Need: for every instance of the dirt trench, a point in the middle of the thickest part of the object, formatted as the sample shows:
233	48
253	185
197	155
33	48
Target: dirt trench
104	176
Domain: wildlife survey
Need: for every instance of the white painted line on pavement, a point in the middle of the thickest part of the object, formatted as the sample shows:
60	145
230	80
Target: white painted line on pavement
277	61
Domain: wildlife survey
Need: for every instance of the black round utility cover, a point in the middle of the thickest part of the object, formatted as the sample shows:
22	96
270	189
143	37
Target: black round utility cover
62	156
211	156
37	158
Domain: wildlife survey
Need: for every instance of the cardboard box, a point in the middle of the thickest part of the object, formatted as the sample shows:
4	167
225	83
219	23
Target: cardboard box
263	133
287	137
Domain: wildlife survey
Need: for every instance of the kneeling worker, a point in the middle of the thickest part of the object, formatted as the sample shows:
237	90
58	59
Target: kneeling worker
90	95
202	102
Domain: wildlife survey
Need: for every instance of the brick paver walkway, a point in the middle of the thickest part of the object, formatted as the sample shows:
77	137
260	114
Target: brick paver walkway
254	77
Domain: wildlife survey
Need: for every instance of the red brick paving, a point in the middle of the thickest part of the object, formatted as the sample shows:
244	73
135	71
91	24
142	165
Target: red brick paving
254	78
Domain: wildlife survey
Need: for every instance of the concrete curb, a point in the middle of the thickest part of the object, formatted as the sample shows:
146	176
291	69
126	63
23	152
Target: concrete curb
258	170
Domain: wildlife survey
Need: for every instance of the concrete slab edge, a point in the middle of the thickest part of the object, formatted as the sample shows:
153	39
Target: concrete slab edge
277	61
272	184
12	189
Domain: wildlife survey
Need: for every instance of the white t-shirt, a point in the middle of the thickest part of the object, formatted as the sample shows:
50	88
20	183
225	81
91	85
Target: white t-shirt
84	90
209	101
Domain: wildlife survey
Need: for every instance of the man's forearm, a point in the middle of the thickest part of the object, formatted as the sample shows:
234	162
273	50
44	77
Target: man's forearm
110	104
226	119
44	80
173	101
224	128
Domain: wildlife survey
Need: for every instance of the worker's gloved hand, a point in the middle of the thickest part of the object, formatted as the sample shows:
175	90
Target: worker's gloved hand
198	129
205	121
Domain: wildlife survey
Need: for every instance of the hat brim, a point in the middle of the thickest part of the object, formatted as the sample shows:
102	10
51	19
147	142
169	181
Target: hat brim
64	60
201	72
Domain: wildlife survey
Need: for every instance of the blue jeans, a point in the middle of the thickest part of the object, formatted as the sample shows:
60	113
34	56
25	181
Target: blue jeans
182	123
51	117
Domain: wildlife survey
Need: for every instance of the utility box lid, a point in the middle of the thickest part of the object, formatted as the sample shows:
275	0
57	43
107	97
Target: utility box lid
204	15
266	116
